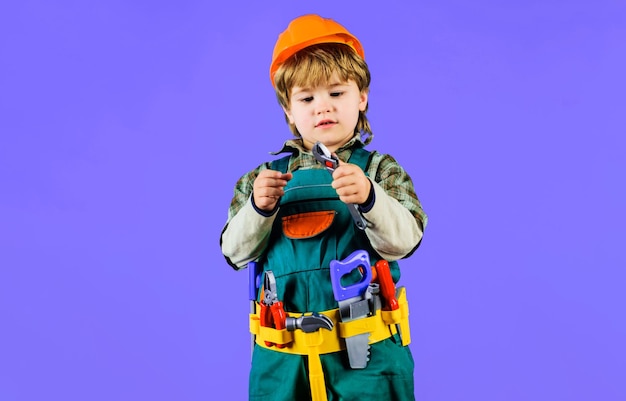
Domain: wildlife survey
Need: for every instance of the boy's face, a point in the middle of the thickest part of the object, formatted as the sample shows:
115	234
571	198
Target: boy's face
326	113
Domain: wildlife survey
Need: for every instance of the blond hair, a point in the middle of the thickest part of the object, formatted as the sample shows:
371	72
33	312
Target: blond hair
314	66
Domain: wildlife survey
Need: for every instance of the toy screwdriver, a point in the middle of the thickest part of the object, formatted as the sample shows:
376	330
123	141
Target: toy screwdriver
387	287
253	285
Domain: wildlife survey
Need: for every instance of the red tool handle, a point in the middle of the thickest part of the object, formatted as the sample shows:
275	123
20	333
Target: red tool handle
387	286
265	319
279	317
273	316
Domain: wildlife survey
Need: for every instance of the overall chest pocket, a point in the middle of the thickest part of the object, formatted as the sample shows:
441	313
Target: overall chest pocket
307	224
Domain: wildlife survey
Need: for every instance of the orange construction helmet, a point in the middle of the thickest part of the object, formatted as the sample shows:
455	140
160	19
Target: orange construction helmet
310	30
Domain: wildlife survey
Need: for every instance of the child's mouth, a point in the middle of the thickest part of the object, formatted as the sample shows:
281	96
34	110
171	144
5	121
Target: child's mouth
325	123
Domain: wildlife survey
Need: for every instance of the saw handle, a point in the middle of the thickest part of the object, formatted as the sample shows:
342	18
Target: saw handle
338	268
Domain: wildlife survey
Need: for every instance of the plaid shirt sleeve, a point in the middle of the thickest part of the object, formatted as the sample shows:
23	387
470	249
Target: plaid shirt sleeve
397	183
243	190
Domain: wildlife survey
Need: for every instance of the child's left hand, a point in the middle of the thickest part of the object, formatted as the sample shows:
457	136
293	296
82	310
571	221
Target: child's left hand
351	184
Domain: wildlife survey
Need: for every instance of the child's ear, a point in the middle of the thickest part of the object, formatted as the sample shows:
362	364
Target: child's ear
363	100
288	115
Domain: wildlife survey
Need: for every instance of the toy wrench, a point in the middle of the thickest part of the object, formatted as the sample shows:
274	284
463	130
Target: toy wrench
272	311
323	156
353	302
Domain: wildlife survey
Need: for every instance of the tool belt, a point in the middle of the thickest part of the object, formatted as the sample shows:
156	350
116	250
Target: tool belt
380	326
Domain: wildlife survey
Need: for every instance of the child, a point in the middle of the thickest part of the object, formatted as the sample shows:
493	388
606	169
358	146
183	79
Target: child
291	216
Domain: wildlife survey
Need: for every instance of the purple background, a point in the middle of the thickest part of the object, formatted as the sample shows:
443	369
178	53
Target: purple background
125	124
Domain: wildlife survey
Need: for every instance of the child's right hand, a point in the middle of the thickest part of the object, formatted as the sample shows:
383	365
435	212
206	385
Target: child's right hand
268	188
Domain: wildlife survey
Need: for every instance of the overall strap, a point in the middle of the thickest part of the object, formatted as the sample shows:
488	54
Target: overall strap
281	164
361	158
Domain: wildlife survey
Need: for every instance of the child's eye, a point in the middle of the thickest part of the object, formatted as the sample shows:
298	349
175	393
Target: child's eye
307	99
335	94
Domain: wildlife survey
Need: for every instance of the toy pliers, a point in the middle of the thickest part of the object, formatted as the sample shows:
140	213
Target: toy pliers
272	312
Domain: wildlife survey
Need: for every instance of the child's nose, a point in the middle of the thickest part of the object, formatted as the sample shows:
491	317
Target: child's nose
322	106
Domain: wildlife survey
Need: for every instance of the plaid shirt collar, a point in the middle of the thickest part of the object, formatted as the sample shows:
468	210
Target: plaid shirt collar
295	146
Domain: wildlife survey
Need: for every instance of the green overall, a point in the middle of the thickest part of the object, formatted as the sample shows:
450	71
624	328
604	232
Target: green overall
301	267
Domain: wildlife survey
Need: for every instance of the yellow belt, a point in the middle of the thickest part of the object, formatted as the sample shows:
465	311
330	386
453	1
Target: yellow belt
380	327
